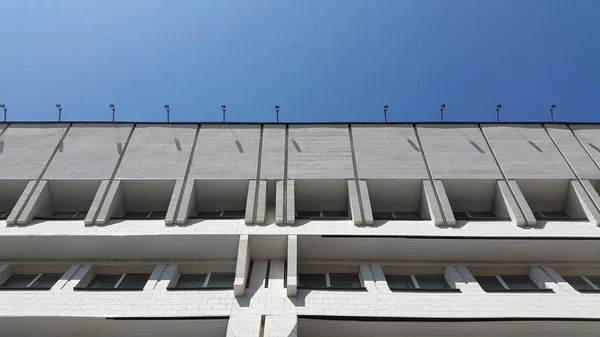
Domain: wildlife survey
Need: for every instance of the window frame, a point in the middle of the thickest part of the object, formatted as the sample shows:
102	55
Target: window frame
328	283
508	289
30	284
395	217
205	286
147	217
322	215
417	286
116	286
595	288
222	215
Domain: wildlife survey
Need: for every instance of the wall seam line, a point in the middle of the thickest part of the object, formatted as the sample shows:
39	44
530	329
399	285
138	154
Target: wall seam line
356	181
285	173
257	185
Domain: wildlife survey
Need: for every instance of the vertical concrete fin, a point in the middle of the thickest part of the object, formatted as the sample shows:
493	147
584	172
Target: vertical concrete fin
430	209
379	278
358	214
155	276
579	203
4	272
592	193
249	217
113	202
290	204
185	199
276	274
40	201
366	202
12	217
81	278
354	203
95	207
444	202
279	204
292	267
175	200
242	265
367	278
261	202
506	205
522	202
188	202
454	277
167	277
66	277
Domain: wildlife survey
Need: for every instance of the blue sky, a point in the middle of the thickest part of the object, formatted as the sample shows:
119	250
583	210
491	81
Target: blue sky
323	60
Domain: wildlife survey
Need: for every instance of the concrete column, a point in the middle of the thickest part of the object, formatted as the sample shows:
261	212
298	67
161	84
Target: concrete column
454	277
469	283
444	202
506	205
543	280
82	277
292	268
261	203
579	203
113	203
16	211
367	277
5	272
279	201
525	209
276	274
560	283
379	278
281	326
242	266
155	277
354	204
66	277
249	217
592	193
167	278
430	209
171	216
188	202
366	202
96	203
258	275
290	211
40	201
244	326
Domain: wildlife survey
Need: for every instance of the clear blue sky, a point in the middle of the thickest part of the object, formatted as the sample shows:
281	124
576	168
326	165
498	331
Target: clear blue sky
321	60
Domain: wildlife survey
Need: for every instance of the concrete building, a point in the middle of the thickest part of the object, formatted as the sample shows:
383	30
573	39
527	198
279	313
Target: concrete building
299	230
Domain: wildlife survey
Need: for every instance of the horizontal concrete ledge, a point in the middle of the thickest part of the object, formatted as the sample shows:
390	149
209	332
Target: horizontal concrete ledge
448	319
303	123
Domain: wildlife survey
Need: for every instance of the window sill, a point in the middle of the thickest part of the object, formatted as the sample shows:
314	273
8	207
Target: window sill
519	291
325	288
194	288
426	290
108	289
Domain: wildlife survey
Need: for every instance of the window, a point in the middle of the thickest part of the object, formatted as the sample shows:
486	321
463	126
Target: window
583	283
397	216
476	215
418	282
68	215
239	214
4	215
330	281
41	281
129	281
145	215
324	215
189	281
507	283
557	216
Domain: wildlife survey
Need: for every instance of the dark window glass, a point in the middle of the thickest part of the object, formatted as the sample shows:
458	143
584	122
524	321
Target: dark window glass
483	215
553	216
158	215
311	281
595	279
81	215
104	281
432	282
18	281
46	281
578	283
519	282
399	282
383	216
489	283
63	215
408	216
136	215
191	281
209	215
344	280
461	216
221	280
308	214
134	281
4	215
335	214
234	214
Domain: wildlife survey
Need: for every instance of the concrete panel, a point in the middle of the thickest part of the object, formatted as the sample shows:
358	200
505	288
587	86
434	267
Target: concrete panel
526	152
157	151
580	161
272	161
226	152
242	266
26	148
394	148
89	151
589	136
457	152
319	152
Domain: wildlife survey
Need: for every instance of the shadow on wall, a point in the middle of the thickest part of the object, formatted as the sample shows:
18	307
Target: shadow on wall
295	143
177	144
590	144
535	146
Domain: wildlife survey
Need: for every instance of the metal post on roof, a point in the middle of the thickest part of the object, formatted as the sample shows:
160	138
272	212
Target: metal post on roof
112	107
59	111
385	109
552	107
498	107
277	113
168	108
224	107
442	107
3	106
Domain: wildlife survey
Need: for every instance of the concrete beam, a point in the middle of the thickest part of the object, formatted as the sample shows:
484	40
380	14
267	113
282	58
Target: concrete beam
505	204
172	209
188	202
579	203
113	203
430	209
96	203
250	199
39	202
444	202
354	204
290	211
16	211
525	209
366	202
242	266
292	267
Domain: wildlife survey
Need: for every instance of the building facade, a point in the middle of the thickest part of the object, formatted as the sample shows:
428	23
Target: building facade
299	230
